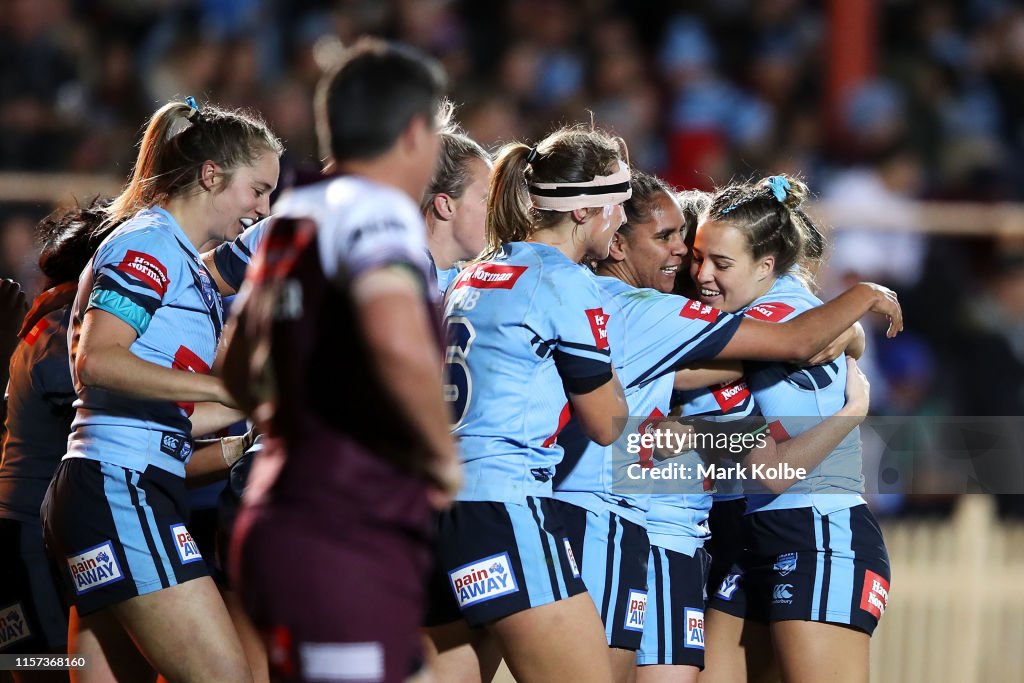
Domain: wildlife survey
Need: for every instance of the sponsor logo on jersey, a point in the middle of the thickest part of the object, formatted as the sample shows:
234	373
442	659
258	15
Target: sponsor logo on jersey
694	620
785	563
36	330
188	551
636	610
572	558
772	312
483	580
782	594
94	568
13	625
875	595
374	228
176	445
146	270
728	586
490	276
695	310
731	394
598	326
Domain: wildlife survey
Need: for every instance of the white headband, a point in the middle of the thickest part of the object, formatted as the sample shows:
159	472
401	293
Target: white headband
603	190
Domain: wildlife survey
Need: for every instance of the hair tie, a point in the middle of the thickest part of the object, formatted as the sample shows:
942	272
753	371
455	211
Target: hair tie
780	187
194	114
532	155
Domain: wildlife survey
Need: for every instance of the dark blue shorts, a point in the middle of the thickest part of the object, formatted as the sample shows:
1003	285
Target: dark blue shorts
33	617
674	633
726	543
612	553
726	547
497	559
803	565
116	533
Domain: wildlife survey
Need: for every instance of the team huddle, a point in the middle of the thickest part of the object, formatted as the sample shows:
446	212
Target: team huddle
517	330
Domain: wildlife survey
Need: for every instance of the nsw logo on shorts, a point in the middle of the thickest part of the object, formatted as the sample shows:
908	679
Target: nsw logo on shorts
785	563
729	585
13	625
483	580
694	620
636	610
188	551
572	558
94	568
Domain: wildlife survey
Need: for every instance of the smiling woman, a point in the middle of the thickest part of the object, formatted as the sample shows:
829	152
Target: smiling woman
146	323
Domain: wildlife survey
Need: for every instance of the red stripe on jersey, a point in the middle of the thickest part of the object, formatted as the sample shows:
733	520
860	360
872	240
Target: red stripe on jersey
731	394
773	311
282	243
146	270
490	276
778	432
186	359
598	326
36	330
695	310
563	419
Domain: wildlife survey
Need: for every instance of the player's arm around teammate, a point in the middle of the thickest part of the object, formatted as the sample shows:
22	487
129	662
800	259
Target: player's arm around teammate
816	570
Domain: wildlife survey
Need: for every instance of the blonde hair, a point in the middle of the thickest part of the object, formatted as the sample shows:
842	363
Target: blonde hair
177	141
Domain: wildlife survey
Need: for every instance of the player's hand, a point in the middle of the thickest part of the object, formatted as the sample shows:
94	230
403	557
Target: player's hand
683	435
858	392
446	479
47	302
232	448
835	348
221	394
886	304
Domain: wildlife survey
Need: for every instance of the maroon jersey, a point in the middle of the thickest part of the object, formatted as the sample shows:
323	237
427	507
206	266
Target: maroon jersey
337	444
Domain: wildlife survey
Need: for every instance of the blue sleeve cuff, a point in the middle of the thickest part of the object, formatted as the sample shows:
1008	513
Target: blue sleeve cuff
122	307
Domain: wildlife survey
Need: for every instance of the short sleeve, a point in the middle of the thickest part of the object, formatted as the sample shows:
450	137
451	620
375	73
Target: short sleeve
232	258
578	322
375	234
667	332
778	307
134	274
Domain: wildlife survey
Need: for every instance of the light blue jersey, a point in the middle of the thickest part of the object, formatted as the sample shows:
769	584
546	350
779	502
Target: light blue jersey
147	274
524	328
680	523
788	396
232	258
652	335
39	414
